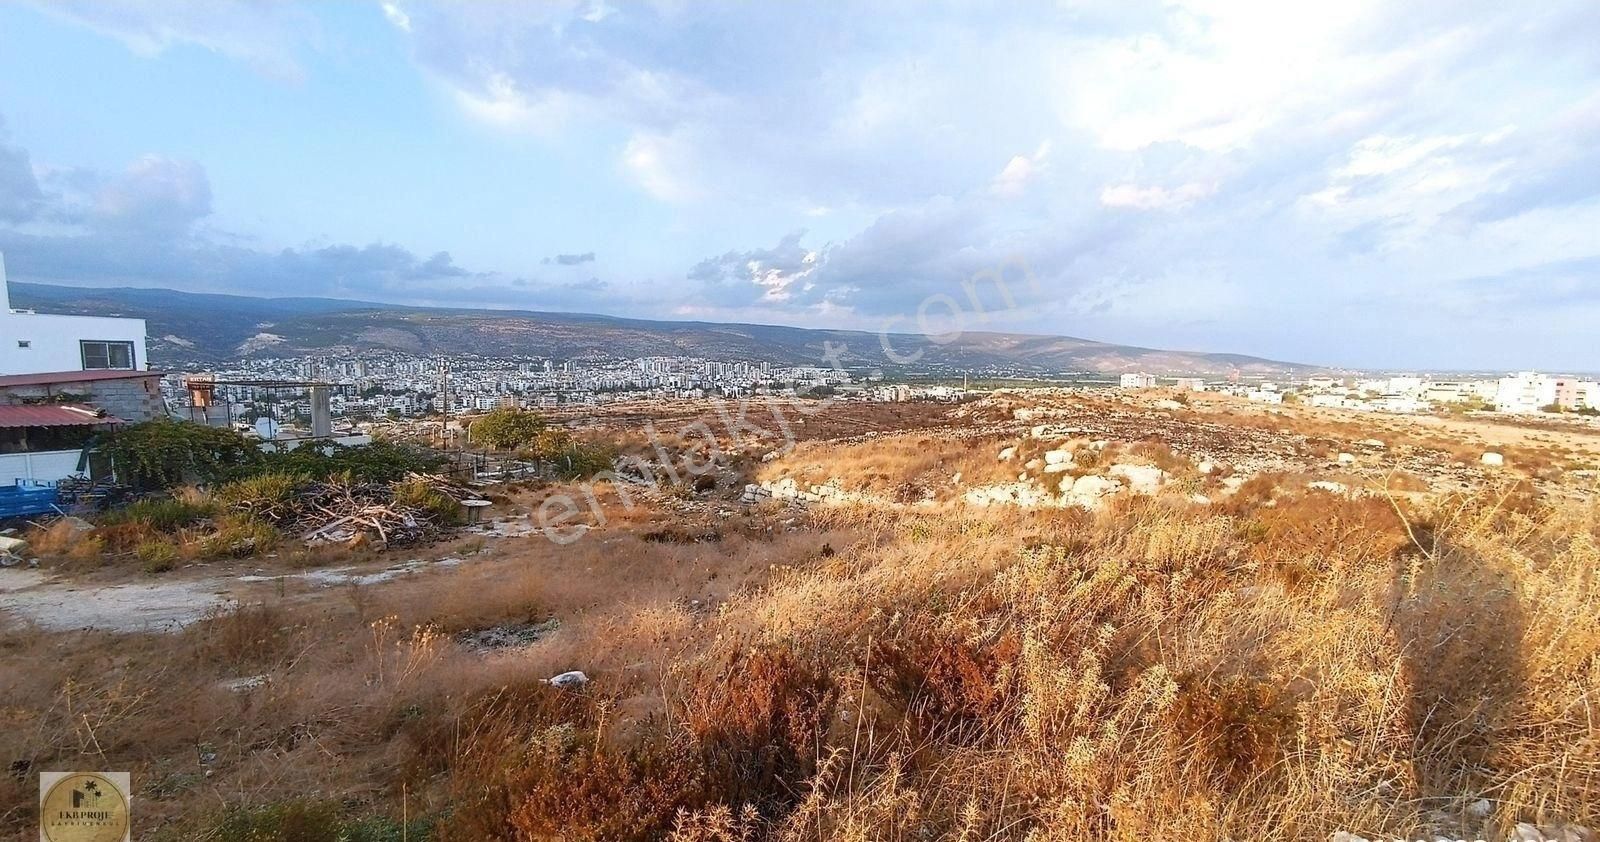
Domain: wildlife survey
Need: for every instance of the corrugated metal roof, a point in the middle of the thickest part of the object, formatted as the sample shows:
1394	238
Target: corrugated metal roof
48	377
54	415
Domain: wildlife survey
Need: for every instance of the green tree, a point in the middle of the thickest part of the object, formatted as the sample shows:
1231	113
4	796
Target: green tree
163	454
507	428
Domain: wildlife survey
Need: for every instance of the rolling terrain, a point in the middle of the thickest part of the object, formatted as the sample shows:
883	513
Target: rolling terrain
194	326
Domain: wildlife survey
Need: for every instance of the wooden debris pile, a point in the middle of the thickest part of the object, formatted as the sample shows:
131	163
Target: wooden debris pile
411	511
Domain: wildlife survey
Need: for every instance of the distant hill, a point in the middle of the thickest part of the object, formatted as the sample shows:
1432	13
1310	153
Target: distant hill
206	327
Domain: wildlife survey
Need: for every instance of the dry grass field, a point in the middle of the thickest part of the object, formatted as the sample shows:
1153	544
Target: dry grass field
1272	644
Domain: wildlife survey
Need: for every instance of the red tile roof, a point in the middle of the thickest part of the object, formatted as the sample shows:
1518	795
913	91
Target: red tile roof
48	377
54	415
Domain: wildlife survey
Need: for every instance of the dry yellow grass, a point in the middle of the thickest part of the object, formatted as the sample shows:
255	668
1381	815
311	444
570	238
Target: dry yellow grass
1281	667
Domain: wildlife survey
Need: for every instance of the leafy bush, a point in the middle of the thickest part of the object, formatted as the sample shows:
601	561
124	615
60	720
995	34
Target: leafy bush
507	428
444	508
266	496
567	457
158	555
581	459
377	462
161	514
164	454
239	536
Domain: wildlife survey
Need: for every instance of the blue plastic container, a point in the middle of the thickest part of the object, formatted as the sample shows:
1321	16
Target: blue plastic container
27	498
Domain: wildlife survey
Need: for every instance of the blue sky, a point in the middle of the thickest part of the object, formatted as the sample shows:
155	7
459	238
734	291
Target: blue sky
1366	184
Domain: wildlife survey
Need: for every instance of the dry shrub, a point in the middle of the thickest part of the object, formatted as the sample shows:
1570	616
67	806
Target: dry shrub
1236	728
1157	453
531	763
942	682
759	718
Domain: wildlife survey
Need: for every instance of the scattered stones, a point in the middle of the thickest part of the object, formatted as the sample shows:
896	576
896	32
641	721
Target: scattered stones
1329	486
507	637
1374	444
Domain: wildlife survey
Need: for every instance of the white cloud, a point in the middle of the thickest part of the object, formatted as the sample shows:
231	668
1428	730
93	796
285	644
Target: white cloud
397	16
1019	171
658	164
1154	198
267	36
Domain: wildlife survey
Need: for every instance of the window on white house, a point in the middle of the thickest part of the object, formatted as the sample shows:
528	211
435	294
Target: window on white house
104	355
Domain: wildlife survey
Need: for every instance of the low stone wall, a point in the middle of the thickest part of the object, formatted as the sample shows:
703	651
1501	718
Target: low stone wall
133	399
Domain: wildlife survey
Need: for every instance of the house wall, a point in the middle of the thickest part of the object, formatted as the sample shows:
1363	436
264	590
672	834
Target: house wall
47	466
52	341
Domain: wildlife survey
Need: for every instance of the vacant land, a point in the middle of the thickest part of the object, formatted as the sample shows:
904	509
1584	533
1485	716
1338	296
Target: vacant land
1042	615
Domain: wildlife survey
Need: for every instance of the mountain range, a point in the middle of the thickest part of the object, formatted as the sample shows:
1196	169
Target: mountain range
202	327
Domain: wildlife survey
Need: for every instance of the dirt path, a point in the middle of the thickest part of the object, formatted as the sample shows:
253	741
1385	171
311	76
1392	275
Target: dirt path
52	603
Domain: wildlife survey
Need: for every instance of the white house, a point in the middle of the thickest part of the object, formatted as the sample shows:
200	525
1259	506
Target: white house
62	380
1137	381
33	343
1525	393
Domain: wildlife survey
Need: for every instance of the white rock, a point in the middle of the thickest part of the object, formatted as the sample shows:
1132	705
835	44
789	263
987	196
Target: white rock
1200	499
1169	404
1087	491
13	545
1346	836
1099	444
1206	467
1034	464
1480	809
1375	444
1329	486
1347	458
245	684
1058	457
1007	454
1494	460
567	680
1141	479
1058	467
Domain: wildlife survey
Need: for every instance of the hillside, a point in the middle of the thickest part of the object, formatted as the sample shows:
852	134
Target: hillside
190	326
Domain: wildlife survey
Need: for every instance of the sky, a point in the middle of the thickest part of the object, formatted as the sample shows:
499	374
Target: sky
1364	184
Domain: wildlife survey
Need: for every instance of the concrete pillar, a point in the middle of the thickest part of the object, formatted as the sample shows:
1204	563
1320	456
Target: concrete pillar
321	414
